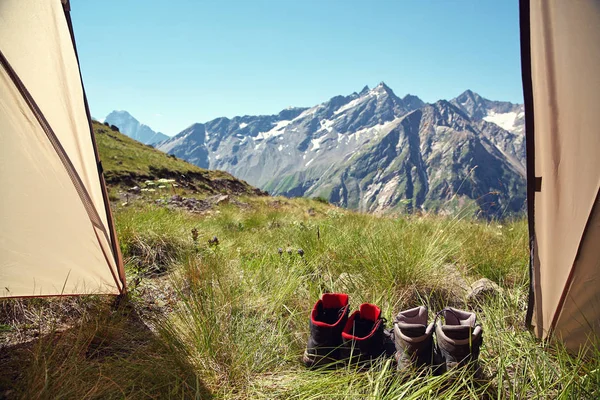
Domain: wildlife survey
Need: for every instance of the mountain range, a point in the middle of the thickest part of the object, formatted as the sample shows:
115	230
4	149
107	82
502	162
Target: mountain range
131	127
375	152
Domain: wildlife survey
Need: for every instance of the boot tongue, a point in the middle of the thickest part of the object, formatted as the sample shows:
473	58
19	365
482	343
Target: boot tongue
457	332
329	309
334	300
369	312
362	327
459	317
412	330
330	315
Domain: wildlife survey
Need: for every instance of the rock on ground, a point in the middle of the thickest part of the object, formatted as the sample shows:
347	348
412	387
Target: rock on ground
483	289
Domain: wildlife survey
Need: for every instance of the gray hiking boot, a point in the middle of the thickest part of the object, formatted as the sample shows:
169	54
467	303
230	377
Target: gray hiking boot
413	339
458	339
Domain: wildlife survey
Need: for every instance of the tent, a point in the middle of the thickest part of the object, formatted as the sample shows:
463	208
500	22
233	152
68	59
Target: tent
560	55
56	231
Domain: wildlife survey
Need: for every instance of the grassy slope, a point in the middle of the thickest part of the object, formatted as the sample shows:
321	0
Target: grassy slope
127	162
231	321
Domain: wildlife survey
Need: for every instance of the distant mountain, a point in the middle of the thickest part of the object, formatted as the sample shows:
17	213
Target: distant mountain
508	116
133	128
374	151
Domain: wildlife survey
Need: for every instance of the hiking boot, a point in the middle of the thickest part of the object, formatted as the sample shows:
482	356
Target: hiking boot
459	339
327	319
363	336
413	339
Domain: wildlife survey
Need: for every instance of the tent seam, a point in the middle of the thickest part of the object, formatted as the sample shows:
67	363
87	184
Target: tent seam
526	76
111	225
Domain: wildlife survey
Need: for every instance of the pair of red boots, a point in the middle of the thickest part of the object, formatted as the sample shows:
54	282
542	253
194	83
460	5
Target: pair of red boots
336	336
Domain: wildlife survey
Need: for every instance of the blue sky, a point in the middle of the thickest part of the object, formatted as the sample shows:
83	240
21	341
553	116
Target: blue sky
173	63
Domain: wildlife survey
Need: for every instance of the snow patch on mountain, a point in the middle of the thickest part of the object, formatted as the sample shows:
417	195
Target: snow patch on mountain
503	120
316	143
327	124
277	130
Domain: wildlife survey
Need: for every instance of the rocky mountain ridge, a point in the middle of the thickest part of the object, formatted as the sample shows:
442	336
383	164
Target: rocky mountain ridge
374	151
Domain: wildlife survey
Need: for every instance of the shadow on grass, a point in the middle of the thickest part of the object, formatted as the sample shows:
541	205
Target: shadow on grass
107	353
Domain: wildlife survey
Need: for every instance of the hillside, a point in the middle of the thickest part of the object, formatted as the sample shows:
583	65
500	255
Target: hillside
128	163
376	152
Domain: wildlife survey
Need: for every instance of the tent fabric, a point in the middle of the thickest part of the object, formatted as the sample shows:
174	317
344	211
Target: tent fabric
56	237
565	87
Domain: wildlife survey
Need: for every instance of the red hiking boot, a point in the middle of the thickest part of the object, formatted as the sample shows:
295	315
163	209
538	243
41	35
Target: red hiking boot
327	319
363	336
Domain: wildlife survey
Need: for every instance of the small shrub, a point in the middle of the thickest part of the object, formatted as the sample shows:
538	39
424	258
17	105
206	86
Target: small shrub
114	128
113	196
153	254
321	199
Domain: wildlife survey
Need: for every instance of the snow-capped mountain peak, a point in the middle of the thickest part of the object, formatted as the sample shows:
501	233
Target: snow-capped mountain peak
372	151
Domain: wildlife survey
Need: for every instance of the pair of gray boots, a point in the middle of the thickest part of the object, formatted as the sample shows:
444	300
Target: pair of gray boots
458	340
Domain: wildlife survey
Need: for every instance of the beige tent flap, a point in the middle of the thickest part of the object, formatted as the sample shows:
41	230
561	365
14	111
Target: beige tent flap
579	319
55	236
565	78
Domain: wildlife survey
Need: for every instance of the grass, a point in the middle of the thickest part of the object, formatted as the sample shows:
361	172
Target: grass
231	320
